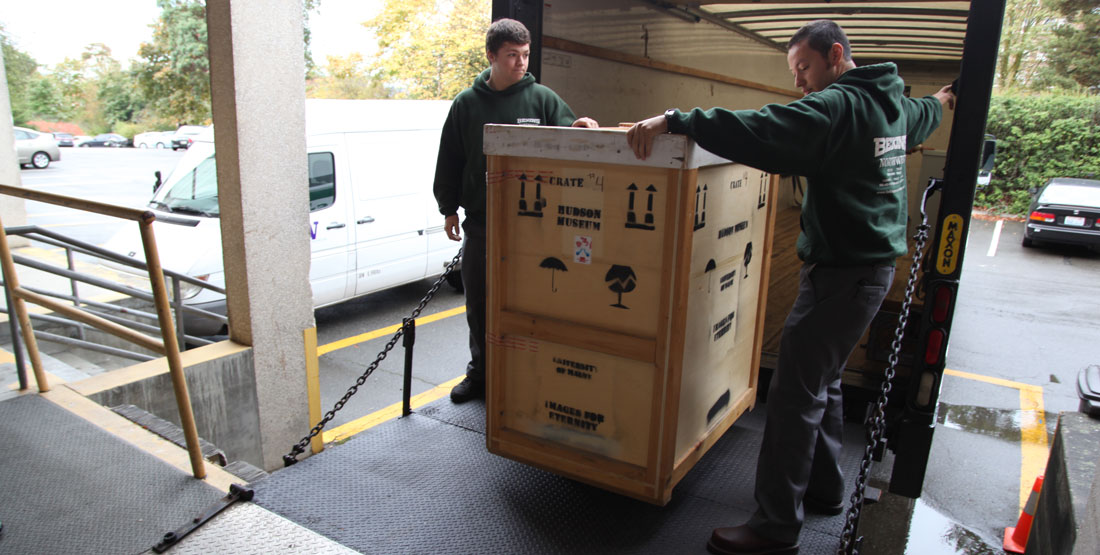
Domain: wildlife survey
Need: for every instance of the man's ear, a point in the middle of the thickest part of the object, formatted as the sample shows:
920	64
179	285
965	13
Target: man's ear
836	54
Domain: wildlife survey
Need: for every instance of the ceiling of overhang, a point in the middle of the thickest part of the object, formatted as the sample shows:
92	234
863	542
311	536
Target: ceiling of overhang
901	29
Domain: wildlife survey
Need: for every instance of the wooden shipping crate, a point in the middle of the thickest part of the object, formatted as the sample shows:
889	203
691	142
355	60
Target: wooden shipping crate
624	322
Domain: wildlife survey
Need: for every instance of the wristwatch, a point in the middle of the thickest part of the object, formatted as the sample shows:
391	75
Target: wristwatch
668	119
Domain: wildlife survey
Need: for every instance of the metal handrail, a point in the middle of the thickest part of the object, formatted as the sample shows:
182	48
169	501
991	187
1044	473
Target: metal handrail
168	346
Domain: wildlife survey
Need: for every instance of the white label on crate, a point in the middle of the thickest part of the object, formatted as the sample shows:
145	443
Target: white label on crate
582	249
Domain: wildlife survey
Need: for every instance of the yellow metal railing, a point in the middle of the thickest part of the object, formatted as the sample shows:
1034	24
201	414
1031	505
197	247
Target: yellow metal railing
167	346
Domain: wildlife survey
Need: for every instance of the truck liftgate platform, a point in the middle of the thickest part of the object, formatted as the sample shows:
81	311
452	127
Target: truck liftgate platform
424	483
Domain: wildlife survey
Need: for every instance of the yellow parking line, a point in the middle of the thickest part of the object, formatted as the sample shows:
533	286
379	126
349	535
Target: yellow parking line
346	431
995	381
389	330
1033	428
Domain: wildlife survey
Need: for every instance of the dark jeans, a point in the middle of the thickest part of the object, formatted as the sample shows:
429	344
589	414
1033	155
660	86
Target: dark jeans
800	453
473	281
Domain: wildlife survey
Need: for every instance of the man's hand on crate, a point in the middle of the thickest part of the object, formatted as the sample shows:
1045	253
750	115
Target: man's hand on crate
640	135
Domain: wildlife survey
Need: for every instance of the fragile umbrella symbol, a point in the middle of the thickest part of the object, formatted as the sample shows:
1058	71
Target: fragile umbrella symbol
553	264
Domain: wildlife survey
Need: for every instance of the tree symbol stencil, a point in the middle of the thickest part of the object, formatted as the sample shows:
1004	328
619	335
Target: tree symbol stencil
554	265
621	279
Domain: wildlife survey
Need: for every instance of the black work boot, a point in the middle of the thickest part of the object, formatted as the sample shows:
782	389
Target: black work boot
467	389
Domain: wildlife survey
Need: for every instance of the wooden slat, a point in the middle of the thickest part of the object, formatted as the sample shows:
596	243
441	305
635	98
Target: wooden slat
575	334
605	54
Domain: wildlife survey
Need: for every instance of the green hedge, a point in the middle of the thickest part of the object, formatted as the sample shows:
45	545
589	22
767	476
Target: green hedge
1039	137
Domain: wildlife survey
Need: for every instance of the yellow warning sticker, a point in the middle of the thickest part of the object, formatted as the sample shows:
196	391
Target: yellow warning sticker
948	258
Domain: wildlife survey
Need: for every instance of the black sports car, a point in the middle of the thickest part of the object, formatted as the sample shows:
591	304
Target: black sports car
1065	210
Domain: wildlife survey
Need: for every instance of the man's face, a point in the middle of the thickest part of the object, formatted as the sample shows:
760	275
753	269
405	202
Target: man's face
509	62
812	71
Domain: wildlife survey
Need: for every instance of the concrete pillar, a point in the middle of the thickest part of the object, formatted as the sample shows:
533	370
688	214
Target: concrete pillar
257	73
13	211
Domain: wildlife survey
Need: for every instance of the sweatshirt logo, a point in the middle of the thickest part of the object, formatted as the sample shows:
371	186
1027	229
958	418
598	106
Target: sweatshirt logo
537	121
893	166
886	144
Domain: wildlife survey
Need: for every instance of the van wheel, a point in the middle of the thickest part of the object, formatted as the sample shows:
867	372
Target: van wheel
1027	242
454	279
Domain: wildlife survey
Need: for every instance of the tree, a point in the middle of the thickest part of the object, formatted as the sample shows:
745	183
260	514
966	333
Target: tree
20	70
175	72
1025	31
430	49
44	101
309	6
346	77
1074	51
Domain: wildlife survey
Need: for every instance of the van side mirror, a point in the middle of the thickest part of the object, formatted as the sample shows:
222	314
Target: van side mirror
157	183
989	152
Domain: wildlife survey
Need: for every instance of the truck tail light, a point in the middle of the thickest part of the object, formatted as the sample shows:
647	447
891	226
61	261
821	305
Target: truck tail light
1045	217
941	305
933	347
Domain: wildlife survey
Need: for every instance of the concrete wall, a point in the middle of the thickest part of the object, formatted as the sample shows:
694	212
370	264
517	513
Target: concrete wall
258	103
1066	519
222	387
13	210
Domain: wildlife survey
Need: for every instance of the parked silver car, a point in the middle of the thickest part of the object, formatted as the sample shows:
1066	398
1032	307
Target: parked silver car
34	148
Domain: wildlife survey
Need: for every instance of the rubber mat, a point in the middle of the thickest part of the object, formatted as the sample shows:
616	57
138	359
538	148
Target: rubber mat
67	486
426	484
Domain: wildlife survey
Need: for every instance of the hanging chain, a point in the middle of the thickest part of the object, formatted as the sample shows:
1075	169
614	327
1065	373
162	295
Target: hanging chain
876	425
300	447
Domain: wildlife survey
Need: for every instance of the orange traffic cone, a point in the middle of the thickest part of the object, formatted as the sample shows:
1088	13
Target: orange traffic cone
1016	537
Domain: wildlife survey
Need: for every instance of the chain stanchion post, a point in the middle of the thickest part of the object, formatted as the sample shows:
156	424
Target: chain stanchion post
409	325
300	447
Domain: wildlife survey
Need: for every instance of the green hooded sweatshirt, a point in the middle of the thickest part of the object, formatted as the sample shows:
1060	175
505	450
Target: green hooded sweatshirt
460	168
849	141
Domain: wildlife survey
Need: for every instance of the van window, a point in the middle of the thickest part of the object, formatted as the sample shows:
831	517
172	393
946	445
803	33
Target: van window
322	181
195	192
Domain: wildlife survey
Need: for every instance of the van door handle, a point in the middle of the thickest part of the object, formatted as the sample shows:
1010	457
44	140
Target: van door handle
366	220
335	225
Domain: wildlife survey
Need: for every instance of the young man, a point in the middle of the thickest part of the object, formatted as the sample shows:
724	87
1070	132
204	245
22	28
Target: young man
848	136
504	93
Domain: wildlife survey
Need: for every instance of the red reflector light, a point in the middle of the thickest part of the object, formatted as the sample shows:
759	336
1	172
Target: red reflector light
1044	217
932	350
942	303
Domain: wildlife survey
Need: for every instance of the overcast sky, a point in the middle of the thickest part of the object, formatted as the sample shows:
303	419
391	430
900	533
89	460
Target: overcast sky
52	30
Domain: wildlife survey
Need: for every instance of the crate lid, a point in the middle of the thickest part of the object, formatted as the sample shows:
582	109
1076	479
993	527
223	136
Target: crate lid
605	145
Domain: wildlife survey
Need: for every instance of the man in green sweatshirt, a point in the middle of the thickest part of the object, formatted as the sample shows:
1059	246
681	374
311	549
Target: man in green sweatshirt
504	93
848	135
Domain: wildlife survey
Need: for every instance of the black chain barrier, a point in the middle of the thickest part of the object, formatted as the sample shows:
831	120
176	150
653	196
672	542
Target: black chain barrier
299	448
876	425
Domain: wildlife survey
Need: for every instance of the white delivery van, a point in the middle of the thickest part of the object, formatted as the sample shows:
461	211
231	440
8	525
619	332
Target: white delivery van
374	223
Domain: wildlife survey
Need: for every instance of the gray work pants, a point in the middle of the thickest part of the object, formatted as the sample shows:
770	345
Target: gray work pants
473	281
800	453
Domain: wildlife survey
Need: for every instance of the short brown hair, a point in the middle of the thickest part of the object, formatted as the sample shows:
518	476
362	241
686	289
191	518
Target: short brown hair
820	35
506	30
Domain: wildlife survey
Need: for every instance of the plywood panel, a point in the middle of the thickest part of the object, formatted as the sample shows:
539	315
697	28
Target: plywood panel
584	241
582	399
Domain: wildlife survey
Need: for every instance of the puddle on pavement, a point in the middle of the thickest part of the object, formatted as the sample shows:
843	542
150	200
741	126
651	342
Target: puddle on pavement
933	533
998	423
